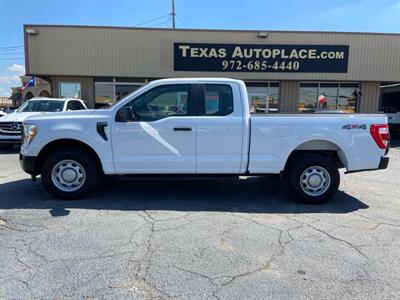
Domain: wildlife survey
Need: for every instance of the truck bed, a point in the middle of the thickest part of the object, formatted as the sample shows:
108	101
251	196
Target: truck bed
273	137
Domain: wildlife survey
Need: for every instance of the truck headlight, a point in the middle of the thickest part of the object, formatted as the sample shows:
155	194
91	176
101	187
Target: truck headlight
29	133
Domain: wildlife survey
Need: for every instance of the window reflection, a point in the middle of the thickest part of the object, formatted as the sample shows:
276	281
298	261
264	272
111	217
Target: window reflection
70	90
124	90
347	98
218	100
321	96
104	93
161	102
263	97
308	97
327	96
110	90
273	93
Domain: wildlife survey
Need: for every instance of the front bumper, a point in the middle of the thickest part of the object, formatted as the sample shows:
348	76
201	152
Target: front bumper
29	164
10	141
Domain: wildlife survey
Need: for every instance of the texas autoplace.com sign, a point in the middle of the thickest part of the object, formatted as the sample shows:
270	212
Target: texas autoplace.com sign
260	58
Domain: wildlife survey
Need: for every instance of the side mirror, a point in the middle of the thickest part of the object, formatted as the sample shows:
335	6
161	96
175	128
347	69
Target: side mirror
125	114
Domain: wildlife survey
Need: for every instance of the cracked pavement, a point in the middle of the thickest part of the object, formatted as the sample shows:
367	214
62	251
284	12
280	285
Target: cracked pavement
221	239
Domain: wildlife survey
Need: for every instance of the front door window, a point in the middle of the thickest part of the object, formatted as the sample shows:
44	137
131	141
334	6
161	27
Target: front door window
161	102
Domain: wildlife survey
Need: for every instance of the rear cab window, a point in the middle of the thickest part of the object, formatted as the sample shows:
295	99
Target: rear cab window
218	100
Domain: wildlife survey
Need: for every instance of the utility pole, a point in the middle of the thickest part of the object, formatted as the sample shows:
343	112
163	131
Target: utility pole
173	14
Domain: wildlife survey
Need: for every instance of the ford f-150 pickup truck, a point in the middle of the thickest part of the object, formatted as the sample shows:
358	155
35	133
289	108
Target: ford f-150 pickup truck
201	127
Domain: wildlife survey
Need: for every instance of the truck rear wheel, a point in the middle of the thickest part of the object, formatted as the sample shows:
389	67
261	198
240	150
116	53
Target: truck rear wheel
69	174
314	177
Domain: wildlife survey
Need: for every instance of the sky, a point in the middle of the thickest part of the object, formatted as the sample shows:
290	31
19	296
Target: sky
320	15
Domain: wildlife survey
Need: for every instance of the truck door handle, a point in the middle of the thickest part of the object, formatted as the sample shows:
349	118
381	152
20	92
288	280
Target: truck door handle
182	129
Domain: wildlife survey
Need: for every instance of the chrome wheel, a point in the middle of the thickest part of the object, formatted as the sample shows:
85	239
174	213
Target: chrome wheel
68	175
315	180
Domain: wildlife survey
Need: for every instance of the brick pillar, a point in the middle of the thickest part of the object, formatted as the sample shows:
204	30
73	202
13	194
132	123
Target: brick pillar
369	101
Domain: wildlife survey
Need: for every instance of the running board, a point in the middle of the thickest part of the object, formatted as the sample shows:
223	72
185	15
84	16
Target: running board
177	176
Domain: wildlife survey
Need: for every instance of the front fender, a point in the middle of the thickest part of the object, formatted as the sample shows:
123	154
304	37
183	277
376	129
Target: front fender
84	132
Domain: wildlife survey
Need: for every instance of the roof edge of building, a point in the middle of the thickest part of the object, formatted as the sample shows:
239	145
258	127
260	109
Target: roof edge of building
210	30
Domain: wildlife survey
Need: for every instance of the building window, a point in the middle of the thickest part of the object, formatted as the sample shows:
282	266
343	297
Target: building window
109	90
122	90
263	97
327	96
348	96
104	93
324	95
69	90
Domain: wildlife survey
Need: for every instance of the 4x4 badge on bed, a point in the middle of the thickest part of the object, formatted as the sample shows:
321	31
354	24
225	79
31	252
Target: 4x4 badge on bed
354	126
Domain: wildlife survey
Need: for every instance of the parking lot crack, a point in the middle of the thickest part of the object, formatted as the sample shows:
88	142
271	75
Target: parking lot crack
264	267
333	237
139	281
250	219
231	279
209	279
377	223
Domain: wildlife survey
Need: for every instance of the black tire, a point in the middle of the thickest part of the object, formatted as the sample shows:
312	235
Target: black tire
6	146
307	161
91	169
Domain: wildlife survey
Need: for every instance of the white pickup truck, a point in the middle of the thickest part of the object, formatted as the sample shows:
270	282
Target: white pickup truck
201	127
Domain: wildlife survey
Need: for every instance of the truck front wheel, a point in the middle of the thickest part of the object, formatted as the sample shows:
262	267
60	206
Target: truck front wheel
69	174
314	178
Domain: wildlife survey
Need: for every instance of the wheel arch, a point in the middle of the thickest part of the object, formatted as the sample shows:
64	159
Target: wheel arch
67	143
320	146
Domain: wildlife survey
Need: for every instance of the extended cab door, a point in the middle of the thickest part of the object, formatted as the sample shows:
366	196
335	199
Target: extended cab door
219	130
160	136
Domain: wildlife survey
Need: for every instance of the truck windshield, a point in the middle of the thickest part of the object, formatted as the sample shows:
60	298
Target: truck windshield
42	106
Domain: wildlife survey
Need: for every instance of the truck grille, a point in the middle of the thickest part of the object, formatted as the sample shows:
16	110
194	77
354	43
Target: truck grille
10	128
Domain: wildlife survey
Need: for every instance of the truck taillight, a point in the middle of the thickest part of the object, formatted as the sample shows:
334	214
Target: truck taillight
380	134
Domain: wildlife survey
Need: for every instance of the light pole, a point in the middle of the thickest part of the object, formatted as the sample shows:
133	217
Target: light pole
173	14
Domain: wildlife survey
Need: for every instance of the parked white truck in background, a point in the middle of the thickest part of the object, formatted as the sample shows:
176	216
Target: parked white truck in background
394	121
181	127
11	124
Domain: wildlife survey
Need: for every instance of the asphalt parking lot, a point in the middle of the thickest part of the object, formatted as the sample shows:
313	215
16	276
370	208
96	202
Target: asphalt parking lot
220	239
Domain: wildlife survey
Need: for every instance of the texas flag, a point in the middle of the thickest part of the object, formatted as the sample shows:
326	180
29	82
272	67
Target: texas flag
322	100
31	82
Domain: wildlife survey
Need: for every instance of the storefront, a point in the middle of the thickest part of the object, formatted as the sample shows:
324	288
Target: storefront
284	71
